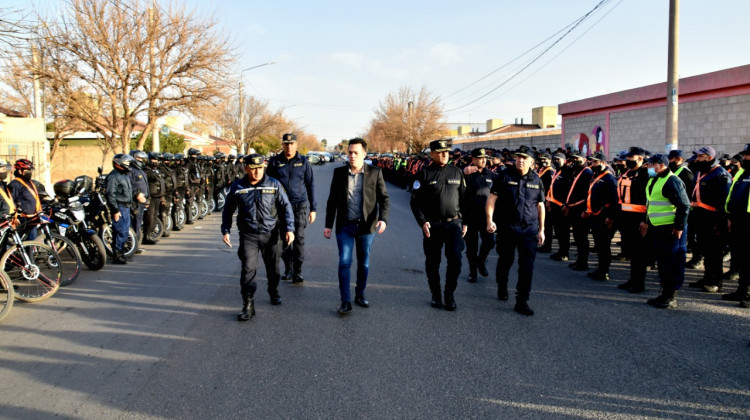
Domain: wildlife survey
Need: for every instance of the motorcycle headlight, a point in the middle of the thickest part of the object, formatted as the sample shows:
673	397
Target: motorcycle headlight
78	214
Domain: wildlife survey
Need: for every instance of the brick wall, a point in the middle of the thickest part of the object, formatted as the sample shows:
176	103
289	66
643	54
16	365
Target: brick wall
71	161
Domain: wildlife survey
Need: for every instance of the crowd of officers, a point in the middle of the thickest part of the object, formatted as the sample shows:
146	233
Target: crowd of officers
663	205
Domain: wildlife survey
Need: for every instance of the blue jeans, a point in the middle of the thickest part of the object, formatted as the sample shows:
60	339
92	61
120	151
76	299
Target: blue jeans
121	227
346	239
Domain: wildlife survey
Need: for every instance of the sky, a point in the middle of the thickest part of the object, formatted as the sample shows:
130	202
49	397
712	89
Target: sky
335	61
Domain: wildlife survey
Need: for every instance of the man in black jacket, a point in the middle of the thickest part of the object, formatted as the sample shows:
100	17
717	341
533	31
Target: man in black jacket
119	194
358	202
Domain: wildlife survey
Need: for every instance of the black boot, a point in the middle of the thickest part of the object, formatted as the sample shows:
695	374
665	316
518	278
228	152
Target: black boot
287	271
248	310
119	258
450	303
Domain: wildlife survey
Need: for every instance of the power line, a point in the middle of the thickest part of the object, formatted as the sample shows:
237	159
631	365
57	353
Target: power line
577	23
550	60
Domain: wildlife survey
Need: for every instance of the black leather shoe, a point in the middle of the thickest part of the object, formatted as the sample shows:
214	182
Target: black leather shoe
596	275
523	308
557	257
637	288
298	280
275	300
502	293
482	268
736	296
576	266
361	301
450	303
626	286
663	302
344	309
472	279
620	257
695	263
287	274
698	284
248	311
712	288
436	303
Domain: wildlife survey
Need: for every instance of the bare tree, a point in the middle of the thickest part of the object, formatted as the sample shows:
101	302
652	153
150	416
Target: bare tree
260	120
409	118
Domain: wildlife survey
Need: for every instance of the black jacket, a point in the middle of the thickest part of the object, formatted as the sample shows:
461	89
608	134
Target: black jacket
438	194
260	206
118	190
375	202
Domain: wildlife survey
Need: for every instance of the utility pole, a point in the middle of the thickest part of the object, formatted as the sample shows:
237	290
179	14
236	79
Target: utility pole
673	81
411	128
36	62
243	146
152	80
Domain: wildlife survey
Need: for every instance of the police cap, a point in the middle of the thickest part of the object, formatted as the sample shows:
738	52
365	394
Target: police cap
253	161
289	138
479	153
440	146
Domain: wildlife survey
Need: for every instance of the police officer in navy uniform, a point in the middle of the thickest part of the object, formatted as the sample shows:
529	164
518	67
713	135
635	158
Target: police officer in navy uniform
601	212
139	182
546	171
295	173
516	211
737	208
479	179
632	189
667	210
261	204
437	202
708	197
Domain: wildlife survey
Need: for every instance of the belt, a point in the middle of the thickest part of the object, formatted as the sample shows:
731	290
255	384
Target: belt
446	220
300	205
354	221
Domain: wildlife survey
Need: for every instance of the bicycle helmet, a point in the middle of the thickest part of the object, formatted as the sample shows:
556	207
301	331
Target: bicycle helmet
23	164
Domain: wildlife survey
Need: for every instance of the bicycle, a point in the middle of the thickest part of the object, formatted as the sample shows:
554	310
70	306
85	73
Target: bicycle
33	267
7	295
70	258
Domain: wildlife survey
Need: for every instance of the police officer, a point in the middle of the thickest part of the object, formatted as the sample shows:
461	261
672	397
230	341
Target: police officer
554	202
170	189
575	204
546	172
295	173
260	201
157	187
478	182
601	212
737	208
708	198
437	201
515	210
181	190
139	182
632	189
119	195
667	210
194	184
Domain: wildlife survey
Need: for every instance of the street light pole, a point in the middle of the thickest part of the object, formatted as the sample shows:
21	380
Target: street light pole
242	105
673	78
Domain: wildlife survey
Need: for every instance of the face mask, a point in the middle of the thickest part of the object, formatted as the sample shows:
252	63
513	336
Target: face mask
746	164
3	176
577	164
26	176
631	164
651	172
557	164
734	168
673	166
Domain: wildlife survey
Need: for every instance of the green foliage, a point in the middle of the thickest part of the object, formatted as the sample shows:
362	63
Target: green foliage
266	144
172	143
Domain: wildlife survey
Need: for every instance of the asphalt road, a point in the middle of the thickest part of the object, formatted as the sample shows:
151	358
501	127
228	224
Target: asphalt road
158	338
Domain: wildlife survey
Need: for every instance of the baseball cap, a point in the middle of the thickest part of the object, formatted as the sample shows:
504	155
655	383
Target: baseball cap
289	138
636	151
675	154
706	150
599	156
658	158
746	150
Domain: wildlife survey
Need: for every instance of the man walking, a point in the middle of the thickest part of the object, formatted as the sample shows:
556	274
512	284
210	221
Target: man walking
261	202
358	202
295	174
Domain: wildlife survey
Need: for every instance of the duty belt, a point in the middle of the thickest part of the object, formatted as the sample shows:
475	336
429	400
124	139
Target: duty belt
447	220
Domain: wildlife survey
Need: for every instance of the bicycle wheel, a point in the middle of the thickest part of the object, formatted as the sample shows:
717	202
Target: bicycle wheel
69	258
41	278
7	295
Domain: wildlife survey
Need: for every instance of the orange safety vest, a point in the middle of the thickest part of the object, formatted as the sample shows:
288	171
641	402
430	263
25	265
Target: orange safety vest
35	193
697	192
544	171
572	187
623	191
550	196
588	199
8	199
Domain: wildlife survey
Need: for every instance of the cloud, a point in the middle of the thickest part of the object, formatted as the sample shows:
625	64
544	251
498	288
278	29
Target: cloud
445	53
350	59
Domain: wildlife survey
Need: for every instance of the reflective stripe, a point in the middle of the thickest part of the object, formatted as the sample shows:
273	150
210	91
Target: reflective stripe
660	203
550	196
634	208
697	192
8	199
588	199
572	187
